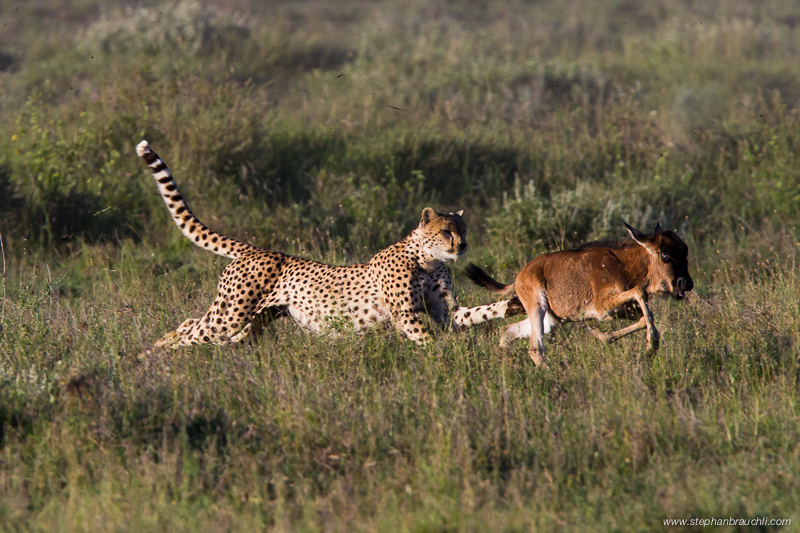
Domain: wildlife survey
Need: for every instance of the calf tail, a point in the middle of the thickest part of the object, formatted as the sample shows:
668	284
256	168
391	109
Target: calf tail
479	277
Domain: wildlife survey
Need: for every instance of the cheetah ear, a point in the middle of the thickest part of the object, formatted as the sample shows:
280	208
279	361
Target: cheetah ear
428	214
460	213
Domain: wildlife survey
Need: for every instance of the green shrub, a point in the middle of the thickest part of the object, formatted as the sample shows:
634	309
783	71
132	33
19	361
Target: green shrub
66	179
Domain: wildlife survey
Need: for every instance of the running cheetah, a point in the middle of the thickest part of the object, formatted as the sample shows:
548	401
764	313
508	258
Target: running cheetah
395	286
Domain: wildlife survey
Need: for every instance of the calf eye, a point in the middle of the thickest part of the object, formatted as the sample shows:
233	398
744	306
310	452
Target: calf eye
665	257
447	234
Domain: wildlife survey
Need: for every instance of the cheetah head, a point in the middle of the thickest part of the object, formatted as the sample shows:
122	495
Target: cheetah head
443	236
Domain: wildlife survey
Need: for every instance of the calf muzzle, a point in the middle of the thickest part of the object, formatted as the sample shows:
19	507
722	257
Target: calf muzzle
681	286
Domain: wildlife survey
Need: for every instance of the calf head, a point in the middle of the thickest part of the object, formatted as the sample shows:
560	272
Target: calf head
669	265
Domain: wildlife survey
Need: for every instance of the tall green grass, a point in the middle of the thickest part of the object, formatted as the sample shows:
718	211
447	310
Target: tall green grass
374	433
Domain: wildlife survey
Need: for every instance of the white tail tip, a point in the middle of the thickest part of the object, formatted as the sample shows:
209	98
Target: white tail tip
142	148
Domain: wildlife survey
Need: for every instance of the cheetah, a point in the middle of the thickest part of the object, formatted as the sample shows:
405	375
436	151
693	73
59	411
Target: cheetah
259	285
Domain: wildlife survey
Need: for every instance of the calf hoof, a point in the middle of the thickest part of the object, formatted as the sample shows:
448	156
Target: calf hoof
653	345
603	337
514	307
538	359
654	341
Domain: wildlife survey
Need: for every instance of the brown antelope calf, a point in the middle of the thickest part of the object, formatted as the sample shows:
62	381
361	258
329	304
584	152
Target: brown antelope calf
599	280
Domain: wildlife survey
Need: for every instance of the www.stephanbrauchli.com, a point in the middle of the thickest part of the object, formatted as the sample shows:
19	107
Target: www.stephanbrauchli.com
758	521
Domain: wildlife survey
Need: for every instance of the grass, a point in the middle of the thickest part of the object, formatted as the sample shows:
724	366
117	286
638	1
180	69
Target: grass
550	124
374	433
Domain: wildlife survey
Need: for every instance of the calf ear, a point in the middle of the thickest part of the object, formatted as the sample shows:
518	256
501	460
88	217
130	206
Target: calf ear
635	234
658	230
640	238
428	214
460	213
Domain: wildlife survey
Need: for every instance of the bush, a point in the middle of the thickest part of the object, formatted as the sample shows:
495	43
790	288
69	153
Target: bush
66	179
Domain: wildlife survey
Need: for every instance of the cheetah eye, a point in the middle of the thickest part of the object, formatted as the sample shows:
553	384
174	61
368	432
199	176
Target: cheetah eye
447	234
665	257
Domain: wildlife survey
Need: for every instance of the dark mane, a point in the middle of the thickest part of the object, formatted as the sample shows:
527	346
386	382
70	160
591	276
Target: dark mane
607	243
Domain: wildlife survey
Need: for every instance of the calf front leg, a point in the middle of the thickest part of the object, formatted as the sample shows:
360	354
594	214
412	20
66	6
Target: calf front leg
640	296
653	336
612	336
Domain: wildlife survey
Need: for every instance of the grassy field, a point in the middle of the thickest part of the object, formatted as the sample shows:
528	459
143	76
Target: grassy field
323	129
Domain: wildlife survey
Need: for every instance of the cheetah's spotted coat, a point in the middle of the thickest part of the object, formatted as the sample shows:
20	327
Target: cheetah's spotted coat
396	285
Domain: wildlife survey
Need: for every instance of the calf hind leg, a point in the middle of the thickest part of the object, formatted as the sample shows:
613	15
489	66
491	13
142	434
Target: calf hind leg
536	350
536	306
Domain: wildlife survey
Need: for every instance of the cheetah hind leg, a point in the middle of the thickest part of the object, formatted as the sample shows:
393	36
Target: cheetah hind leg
196	331
244	332
182	336
192	331
175	339
187	324
261	319
172	340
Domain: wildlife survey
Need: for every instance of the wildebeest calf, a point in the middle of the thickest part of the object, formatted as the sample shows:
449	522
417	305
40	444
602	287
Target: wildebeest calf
599	280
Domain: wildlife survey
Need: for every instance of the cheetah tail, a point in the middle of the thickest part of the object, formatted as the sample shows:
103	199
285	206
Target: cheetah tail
190	226
479	277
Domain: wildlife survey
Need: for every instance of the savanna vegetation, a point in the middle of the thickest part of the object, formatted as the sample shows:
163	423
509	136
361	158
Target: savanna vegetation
323	129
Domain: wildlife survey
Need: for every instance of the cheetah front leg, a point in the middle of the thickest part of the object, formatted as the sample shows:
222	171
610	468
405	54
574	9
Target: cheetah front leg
463	317
409	323
471	316
441	301
405	299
